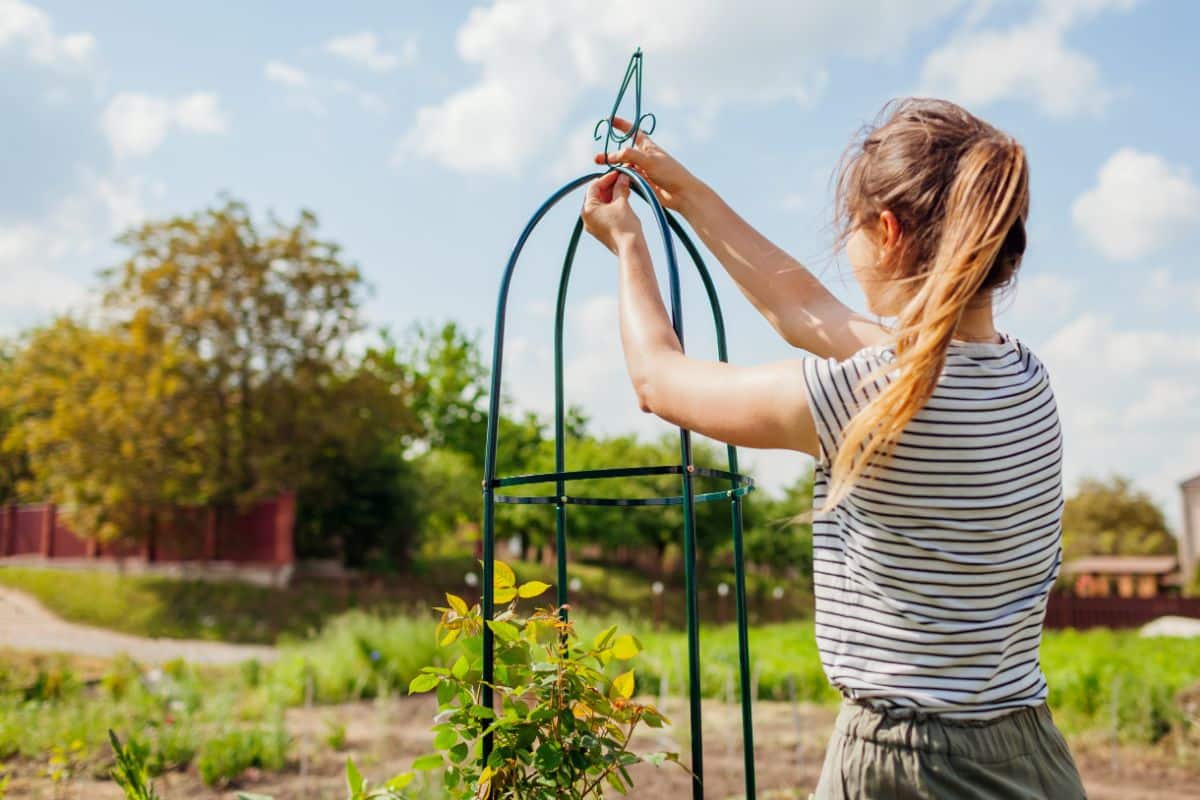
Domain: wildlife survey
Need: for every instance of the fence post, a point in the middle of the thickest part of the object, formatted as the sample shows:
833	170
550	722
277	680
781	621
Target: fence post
7	519
285	519
210	534
48	531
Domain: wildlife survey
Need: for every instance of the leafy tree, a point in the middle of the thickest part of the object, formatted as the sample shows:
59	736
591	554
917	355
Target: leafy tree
1113	518
265	317
448	387
107	422
778	530
359	498
14	462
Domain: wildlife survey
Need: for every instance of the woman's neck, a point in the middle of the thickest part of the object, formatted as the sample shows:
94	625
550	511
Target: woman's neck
977	324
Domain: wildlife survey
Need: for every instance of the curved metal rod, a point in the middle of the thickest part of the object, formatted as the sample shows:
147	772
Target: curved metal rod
689	533
735	510
487	601
740	484
620	472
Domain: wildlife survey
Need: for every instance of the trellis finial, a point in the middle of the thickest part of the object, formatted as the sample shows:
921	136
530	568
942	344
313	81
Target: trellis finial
615	137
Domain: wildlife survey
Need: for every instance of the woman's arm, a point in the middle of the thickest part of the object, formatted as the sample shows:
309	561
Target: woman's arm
793	300
796	304
763	406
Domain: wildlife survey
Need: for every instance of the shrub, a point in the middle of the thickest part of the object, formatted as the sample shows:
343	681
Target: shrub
564	726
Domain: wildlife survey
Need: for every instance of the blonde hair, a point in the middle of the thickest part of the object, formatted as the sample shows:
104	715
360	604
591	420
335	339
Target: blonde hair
959	189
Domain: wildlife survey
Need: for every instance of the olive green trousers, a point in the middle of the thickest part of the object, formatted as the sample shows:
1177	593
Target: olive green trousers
874	754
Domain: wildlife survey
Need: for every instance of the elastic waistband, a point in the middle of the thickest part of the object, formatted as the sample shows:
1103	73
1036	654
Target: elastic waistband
1008	736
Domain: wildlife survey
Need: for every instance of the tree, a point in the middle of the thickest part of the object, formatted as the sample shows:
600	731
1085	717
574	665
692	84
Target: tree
265	318
107	424
359	497
779	529
1112	518
14	462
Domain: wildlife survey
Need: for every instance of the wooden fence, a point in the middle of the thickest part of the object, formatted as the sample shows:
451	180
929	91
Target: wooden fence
1068	611
261	535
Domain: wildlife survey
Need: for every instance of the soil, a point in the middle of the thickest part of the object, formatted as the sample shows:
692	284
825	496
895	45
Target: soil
384	736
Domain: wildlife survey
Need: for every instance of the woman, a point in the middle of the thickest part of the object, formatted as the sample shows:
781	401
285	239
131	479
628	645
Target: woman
938	451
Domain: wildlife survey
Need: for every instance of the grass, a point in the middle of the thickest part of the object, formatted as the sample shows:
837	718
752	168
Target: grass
56	710
224	720
154	606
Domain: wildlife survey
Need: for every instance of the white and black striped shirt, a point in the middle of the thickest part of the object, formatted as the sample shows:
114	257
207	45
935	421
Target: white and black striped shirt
931	577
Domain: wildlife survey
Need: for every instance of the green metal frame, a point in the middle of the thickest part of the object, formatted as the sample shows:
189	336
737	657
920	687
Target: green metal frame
739	485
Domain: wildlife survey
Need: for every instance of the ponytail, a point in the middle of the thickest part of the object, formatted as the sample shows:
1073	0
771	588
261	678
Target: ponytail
981	240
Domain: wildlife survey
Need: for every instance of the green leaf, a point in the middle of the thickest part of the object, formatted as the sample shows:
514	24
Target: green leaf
626	647
602	639
400	781
505	631
532	589
422	683
445	739
548	757
428	762
504	594
354	778
461	667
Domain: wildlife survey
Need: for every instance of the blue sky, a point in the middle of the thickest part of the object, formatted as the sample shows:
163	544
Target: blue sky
424	135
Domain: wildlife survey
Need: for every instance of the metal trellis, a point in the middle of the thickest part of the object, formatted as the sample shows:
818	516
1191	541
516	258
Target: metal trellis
739	485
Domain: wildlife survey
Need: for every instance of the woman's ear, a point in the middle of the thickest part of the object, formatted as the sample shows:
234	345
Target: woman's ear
889	231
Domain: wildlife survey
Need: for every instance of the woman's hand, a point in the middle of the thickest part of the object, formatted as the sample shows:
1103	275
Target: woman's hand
607	214
674	185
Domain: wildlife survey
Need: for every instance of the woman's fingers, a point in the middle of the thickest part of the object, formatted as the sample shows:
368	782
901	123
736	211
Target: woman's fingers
624	125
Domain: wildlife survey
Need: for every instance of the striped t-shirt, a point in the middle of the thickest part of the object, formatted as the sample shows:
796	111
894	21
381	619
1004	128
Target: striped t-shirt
931	576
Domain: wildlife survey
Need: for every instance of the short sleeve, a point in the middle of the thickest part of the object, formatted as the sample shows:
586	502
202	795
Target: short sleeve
836	393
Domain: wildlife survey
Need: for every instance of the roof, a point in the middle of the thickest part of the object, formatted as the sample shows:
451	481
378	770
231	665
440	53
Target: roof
1191	483
1122	565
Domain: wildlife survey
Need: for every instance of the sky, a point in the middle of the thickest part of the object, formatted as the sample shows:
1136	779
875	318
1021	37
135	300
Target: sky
424	136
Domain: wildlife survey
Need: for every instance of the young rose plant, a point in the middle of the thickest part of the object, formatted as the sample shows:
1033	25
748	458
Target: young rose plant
562	728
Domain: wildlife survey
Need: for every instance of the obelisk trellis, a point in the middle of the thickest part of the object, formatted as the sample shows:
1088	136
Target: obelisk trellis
739	485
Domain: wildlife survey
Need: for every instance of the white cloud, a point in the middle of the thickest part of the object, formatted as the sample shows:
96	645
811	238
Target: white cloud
305	91
136	124
201	112
1140	204
1044	295
365	49
1162	292
31	29
1030	61
286	74
1128	400
537	60
39	257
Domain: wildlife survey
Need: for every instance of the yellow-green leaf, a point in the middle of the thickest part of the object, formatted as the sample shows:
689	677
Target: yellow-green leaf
626	647
603	637
504	594
504	576
622	685
457	603
532	589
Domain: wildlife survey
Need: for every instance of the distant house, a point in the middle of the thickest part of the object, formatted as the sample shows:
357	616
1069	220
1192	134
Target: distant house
1189	537
1123	576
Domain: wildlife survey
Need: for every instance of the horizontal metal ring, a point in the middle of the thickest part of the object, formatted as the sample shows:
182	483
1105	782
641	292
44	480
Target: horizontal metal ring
550	499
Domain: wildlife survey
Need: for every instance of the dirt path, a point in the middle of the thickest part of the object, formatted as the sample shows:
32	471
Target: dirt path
26	625
384	736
